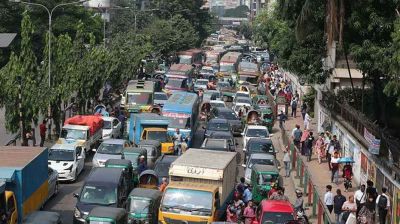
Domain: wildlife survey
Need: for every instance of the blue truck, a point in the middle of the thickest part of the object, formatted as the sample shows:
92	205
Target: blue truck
24	185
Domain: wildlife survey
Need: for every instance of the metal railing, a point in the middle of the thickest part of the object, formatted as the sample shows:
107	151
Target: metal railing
13	141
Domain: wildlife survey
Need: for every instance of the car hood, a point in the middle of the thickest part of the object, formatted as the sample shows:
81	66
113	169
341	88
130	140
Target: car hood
60	165
86	208
105	157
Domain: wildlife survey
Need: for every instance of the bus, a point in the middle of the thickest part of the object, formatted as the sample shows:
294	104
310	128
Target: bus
213	57
179	78
139	97
192	56
228	65
182	110
248	72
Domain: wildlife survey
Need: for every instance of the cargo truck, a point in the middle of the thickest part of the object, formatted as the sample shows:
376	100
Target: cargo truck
82	130
201	184
150	126
24	185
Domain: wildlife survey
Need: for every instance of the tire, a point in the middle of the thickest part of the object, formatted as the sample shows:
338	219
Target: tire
76	175
56	189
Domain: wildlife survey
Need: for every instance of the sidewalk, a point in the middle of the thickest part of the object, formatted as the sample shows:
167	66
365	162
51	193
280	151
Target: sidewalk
319	173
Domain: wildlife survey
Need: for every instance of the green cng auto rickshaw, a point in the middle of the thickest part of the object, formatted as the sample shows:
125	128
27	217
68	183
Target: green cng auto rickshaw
143	205
107	215
148	179
260	100
262	176
133	154
128	169
266	116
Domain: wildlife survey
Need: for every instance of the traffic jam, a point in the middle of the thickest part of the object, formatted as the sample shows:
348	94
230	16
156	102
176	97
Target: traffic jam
189	143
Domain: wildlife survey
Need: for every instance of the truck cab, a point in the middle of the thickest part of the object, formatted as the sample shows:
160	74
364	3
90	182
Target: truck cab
160	134
8	204
75	134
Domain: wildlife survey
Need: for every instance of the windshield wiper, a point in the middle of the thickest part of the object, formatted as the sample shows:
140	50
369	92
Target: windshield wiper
200	209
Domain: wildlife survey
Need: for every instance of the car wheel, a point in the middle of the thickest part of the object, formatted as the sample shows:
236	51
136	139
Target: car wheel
56	189
76	175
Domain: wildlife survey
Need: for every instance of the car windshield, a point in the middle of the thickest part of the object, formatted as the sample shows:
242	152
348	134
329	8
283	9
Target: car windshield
185	200
215	126
206	71
160	97
61	155
228	115
217	104
139	98
276	217
263	133
255	147
106	124
139	205
227	68
243	100
113	149
216	144
175	122
73	134
176	83
185	59
261	162
157	135
100	195
201	82
242	95
223	85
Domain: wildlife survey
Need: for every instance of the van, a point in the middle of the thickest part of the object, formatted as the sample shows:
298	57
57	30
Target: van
103	187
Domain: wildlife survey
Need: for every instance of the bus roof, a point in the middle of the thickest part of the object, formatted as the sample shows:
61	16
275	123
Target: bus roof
180	102
140	86
180	68
190	52
231	57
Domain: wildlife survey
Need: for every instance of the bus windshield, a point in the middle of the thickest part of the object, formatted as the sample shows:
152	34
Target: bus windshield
140	98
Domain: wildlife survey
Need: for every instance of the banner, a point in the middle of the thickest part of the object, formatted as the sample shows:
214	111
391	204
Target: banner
374	143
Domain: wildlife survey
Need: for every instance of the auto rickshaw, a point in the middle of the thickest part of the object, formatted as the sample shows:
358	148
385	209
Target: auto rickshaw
253	117
143	205
148	179
246	87
133	154
262	176
260	100
153	148
266	116
125	164
102	214
205	109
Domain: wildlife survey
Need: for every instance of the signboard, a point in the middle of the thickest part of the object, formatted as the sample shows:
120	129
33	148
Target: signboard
364	168
374	143
196	172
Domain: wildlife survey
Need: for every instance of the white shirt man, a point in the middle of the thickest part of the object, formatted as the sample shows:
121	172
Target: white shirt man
360	195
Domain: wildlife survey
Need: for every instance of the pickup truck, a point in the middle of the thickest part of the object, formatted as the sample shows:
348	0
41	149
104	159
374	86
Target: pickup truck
83	130
24	181
207	180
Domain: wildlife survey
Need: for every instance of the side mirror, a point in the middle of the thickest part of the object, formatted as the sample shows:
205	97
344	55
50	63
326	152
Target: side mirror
76	195
244	165
94	150
242	134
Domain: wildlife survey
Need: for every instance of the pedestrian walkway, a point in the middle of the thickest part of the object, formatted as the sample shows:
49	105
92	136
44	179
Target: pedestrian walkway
319	174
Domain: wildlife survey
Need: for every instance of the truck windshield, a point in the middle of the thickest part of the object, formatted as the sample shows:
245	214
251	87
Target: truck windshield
176	83
157	135
139	205
262	133
61	155
139	98
73	134
269	162
100	195
113	149
183	201
276	217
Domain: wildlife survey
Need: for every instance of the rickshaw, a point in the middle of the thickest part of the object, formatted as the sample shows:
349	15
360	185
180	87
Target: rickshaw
111	215
148	179
133	154
143	205
262	176
260	100
266	116
125	164
205	109
253	117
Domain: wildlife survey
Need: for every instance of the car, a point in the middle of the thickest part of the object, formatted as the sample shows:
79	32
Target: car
209	95
259	145
53	183
275	211
111	128
162	165
160	98
109	149
258	158
200	84
217	125
224	135
217	103
228	114
217	145
254	131
242	94
242	101
68	160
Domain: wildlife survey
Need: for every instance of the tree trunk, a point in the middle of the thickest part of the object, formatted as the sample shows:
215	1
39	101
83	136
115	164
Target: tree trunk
341	22
379	101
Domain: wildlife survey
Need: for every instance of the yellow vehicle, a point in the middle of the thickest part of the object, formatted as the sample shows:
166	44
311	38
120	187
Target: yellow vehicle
159	133
139	97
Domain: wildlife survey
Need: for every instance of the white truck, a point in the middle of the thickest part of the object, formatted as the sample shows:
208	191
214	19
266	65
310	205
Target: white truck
83	130
201	184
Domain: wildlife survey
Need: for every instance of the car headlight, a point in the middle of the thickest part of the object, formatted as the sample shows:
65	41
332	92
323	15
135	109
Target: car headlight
77	213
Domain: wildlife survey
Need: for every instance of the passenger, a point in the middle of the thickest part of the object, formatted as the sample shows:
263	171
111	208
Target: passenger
279	195
247	194
164	184
249	213
142	165
298	205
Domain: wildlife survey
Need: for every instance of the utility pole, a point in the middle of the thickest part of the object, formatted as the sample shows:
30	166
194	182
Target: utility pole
21	118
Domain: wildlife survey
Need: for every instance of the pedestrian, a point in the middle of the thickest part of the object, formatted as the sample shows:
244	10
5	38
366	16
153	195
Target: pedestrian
360	197
383	203
30	135
371	190
274	189
163	185
309	145
303	139
249	213
338	202
296	136
335	168
299	203
332	147
293	104
320	147
247	194
328	198
286	161
231	214
279	195
365	216
241	186
122	118
307	121
177	141
304	110
349	209
42	130
282	119
142	165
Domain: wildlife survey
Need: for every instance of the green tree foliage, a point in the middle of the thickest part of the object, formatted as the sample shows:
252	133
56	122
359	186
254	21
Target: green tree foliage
238	12
392	88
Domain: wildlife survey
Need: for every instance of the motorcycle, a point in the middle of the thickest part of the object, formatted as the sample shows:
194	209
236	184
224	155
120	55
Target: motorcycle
301	217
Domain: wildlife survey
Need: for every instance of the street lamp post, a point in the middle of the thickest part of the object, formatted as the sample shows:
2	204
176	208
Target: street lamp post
50	14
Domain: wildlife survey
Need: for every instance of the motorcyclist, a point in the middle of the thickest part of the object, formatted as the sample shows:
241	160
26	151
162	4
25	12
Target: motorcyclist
298	205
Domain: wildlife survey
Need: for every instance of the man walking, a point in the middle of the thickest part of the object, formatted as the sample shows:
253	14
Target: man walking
328	198
383	204
296	135
293	104
42	130
177	141
309	145
338	202
282	119
360	197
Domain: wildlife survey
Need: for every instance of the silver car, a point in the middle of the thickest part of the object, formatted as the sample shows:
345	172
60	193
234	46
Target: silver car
258	158
109	149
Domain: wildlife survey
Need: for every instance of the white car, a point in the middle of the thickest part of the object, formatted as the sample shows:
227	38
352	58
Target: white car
111	128
254	131
68	160
217	103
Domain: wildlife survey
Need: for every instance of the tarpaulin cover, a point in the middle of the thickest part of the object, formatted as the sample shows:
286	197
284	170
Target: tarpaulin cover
95	122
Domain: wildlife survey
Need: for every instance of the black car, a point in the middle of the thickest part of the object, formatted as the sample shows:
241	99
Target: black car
103	187
162	166
217	145
228	114
217	125
259	145
223	135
